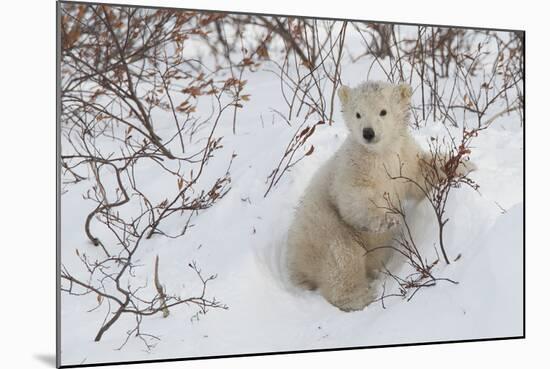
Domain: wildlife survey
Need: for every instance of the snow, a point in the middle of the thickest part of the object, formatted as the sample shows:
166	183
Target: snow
242	239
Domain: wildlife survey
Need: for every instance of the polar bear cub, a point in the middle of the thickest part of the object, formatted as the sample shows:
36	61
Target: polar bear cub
339	217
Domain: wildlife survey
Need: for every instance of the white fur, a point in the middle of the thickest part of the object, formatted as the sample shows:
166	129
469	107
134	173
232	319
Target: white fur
339	216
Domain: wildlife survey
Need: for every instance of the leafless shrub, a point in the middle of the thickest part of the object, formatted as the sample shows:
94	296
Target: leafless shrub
291	157
109	280
455	72
446	167
378	39
122	68
306	81
404	245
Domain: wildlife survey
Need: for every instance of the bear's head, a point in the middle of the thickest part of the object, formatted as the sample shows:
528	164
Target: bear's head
376	113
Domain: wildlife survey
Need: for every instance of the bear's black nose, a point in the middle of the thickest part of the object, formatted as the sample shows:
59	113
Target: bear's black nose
368	133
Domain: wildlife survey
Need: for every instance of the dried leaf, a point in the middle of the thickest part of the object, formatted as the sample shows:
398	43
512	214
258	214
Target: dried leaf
262	51
304	131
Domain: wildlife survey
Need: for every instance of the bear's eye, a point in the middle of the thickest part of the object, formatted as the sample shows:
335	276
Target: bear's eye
383	112
358	115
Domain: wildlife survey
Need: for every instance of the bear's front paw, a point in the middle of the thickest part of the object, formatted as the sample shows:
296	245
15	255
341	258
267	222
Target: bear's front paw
466	167
357	300
381	224
392	221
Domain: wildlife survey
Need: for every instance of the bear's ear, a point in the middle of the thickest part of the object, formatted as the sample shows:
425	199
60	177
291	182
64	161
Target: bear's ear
404	93
344	94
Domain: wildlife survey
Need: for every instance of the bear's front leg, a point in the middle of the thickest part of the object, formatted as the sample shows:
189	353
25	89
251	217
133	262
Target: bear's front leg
352	205
380	220
356	207
346	283
354	298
